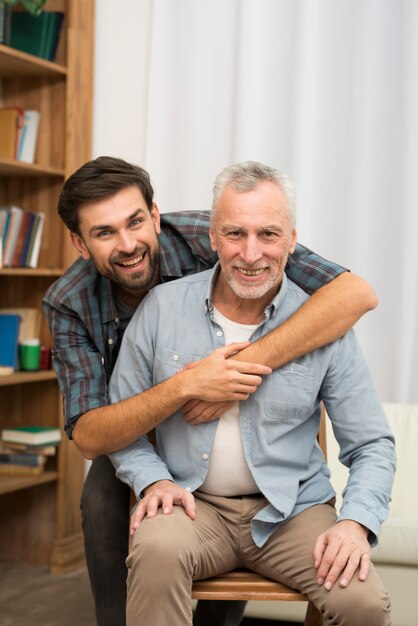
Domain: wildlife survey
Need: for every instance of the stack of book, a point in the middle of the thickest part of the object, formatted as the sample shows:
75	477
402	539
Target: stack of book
36	35
19	131
20	237
24	450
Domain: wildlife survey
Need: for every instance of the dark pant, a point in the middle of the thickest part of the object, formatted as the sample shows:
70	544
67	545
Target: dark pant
105	514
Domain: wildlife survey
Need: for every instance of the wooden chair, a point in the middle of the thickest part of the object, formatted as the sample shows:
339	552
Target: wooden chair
242	584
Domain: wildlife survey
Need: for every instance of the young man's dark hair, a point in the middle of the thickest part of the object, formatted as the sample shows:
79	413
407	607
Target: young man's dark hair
99	179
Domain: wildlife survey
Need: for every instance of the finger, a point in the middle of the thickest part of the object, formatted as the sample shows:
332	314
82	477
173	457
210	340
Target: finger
326	563
167	502
137	516
246	367
364	566
342	561
154	501
189	406
349	571
232	348
208	413
318	551
189	504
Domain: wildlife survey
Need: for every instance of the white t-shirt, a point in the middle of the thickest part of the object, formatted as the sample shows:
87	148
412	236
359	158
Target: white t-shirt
228	473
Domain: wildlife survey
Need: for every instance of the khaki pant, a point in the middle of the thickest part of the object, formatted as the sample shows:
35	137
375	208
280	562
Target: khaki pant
168	552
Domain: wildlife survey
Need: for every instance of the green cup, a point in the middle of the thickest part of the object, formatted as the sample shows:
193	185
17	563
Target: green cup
30	354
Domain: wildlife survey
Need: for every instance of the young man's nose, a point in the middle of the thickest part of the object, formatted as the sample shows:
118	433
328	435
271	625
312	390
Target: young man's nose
127	242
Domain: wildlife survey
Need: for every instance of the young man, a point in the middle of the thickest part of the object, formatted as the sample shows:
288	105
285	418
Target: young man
126	248
252	489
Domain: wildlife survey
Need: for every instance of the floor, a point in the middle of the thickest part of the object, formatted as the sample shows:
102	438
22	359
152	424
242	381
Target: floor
31	596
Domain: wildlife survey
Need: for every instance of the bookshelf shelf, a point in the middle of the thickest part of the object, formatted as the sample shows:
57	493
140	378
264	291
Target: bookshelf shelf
27	271
20	378
9	167
16	63
55	89
10	484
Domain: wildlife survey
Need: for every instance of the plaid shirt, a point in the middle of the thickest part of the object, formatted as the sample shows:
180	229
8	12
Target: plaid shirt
84	322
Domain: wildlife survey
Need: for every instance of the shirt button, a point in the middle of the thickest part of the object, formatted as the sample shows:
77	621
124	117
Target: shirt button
219	333
205	456
175	357
117	320
188	489
110	341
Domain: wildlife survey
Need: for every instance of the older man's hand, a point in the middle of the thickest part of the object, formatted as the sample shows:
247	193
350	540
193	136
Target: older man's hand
339	551
164	494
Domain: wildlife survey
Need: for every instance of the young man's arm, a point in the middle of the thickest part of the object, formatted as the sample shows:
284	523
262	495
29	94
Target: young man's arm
328	314
325	317
101	429
109	428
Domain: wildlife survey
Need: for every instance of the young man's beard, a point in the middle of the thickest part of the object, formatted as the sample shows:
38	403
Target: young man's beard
140	281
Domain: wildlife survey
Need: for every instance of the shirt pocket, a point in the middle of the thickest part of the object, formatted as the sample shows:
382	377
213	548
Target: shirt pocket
167	362
289	392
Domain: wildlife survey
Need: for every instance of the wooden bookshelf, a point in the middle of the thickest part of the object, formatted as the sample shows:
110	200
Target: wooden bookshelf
39	515
11	484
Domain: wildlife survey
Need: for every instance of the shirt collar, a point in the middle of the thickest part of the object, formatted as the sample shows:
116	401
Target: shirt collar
271	308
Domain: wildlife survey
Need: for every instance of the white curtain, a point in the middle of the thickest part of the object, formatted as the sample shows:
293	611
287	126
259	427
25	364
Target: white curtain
325	90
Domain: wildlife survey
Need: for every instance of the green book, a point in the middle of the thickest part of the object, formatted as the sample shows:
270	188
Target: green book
32	435
5	23
36	35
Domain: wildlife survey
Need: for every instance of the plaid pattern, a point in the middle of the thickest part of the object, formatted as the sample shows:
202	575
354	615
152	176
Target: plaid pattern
83	320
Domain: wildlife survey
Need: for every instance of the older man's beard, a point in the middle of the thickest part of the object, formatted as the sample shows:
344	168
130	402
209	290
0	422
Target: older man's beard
253	291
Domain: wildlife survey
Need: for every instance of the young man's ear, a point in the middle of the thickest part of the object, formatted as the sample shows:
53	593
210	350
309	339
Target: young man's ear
80	246
155	214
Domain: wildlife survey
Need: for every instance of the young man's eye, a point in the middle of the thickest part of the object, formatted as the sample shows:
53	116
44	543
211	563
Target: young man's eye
136	222
103	233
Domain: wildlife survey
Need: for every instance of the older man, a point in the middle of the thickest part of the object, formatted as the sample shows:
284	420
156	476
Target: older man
251	489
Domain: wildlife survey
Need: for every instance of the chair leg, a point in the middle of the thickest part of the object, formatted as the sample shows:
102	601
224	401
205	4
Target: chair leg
313	616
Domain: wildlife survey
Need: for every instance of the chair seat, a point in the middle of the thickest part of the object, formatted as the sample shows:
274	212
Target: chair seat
241	584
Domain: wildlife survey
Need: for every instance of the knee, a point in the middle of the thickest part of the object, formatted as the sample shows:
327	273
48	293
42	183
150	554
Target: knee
358	607
159	541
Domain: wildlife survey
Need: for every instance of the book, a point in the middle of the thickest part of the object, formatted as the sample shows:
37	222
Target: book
53	34
27	237
16	458
15	220
24	448
35	242
20	239
5	23
11	122
21	470
9	340
33	435
29	136
30	321
36	35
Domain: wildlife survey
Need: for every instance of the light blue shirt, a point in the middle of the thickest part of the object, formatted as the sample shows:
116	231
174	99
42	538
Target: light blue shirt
279	423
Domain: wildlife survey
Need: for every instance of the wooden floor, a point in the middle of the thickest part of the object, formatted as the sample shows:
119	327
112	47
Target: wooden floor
31	596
